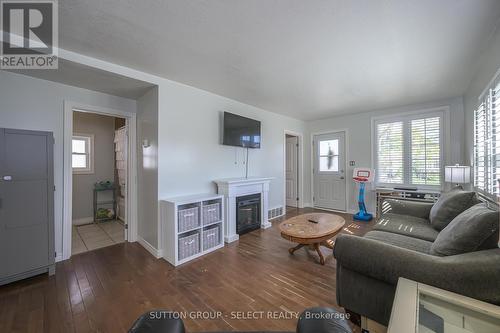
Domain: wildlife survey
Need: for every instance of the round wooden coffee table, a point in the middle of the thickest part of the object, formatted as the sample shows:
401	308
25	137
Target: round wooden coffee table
300	229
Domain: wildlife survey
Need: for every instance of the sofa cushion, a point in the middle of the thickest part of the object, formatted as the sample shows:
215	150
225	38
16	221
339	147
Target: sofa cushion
473	230
406	225
449	205
406	242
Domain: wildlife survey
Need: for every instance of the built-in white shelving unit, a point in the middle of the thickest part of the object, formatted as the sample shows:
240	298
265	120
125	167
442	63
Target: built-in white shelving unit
191	226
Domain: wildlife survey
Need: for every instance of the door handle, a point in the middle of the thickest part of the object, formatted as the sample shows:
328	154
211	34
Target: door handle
7	178
342	177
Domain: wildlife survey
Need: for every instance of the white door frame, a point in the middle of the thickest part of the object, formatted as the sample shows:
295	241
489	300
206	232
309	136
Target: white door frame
300	164
346	162
131	200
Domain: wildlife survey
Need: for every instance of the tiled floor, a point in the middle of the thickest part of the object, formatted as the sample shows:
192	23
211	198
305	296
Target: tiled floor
94	236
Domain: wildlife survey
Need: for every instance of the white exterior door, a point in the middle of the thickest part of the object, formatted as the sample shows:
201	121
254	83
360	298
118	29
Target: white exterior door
328	171
291	171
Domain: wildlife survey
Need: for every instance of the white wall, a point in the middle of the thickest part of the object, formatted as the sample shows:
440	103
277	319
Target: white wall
34	104
103	129
147	168
188	147
488	64
190	152
360	146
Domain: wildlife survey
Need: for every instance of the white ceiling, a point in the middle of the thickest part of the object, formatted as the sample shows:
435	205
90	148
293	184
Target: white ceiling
308	59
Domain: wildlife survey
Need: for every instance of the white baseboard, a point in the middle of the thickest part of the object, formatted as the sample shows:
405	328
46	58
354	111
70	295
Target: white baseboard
150	248
276	217
83	220
230	239
59	257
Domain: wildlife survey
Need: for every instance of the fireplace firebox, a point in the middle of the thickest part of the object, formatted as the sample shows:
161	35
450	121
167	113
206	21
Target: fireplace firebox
247	213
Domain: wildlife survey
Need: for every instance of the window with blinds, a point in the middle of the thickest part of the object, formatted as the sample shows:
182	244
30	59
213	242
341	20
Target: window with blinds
425	136
390	153
487	141
409	151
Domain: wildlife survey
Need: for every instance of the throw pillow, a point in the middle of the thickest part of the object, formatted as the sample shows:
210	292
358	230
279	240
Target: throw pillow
449	205
473	230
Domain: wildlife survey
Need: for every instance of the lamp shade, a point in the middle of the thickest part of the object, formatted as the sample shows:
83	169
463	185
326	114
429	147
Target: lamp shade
457	174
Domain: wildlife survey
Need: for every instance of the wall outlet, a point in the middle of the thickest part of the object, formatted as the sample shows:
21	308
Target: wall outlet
352	163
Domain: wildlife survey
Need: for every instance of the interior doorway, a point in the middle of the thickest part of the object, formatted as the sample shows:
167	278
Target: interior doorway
130	229
99	167
292	170
329	183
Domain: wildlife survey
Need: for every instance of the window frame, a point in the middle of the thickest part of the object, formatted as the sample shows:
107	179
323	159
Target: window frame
319	156
485	101
89	143
406	118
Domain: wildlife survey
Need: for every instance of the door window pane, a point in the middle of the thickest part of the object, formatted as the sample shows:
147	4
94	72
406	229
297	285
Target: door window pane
329	155
329	164
329	146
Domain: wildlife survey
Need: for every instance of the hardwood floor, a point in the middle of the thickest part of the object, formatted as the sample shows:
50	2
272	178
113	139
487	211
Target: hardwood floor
107	289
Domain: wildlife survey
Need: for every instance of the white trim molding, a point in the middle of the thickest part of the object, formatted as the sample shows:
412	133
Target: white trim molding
150	248
131	215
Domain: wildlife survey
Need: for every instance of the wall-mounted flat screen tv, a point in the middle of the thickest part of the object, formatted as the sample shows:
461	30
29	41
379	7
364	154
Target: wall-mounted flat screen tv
241	131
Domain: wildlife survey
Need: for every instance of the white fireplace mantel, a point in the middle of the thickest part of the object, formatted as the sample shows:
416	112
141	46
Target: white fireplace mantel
232	188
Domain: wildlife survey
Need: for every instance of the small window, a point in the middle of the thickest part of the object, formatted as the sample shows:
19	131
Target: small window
82	159
329	155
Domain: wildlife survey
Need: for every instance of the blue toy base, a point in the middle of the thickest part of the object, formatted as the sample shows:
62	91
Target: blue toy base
363	217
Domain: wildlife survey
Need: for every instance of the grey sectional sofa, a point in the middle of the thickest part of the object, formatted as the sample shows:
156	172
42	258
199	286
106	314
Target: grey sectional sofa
452	245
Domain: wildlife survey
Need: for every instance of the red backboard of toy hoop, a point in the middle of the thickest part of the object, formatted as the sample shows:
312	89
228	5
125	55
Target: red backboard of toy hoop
363	175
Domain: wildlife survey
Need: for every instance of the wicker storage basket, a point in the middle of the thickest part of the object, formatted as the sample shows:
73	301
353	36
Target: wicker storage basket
188	219
189	245
211	213
211	237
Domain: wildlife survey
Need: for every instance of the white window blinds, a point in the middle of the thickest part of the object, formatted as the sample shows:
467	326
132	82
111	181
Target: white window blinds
425	151
390	152
487	141
408	151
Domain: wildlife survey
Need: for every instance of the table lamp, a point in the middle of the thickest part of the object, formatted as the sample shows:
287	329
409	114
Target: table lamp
457	174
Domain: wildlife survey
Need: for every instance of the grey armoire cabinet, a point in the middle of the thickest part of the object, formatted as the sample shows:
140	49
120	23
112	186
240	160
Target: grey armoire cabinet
26	204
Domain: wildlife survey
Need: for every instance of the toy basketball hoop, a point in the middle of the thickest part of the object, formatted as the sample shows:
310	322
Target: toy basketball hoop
362	176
